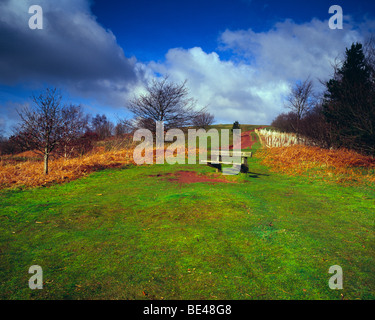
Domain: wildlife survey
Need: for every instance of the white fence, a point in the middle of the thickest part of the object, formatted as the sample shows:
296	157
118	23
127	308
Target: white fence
278	139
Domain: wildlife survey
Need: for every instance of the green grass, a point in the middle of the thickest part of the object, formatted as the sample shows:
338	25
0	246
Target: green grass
129	234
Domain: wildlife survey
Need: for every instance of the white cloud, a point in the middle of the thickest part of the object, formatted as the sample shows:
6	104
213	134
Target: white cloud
232	91
253	89
293	51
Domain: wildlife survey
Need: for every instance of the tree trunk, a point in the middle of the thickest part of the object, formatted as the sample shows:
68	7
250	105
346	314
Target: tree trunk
46	156
297	131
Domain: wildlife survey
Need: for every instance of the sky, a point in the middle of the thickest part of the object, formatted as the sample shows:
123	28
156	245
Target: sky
240	57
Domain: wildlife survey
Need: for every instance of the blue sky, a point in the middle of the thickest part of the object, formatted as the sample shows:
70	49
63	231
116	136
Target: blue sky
240	57
198	23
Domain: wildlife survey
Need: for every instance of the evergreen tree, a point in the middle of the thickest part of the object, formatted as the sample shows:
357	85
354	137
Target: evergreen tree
349	103
236	125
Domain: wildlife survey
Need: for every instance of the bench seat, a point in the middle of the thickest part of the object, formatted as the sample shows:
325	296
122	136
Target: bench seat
221	162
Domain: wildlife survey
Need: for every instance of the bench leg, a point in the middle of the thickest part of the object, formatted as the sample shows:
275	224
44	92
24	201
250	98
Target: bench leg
244	161
217	166
244	168
244	165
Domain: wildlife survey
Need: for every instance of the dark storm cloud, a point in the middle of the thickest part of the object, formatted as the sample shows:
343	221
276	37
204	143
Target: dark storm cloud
72	50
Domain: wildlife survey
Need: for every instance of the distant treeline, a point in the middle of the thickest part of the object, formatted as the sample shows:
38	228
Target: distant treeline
52	128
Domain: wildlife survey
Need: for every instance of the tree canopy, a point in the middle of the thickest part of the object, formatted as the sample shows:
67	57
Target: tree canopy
349	102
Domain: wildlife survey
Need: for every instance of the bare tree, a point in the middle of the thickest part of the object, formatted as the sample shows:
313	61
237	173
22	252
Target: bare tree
203	119
102	126
369	52
75	124
48	125
3	142
164	101
42	125
314	127
285	122
123	126
300	101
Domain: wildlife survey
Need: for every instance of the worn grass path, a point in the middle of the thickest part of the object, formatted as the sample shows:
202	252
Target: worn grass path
126	234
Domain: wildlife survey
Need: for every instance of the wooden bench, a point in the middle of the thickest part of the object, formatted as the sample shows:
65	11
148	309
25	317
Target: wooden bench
217	160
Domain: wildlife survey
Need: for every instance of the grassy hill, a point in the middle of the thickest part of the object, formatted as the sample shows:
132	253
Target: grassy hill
137	233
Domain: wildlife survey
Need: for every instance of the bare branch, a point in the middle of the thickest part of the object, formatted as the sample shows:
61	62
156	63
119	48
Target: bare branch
164	101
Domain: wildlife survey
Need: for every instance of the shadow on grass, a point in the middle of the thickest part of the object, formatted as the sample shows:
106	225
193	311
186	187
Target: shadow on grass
256	175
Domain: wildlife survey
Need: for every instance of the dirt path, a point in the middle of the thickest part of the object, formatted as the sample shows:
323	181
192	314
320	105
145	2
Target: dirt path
246	141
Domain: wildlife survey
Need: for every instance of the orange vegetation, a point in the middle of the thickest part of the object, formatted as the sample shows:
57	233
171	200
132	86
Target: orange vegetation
30	173
18	173
29	154
341	165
